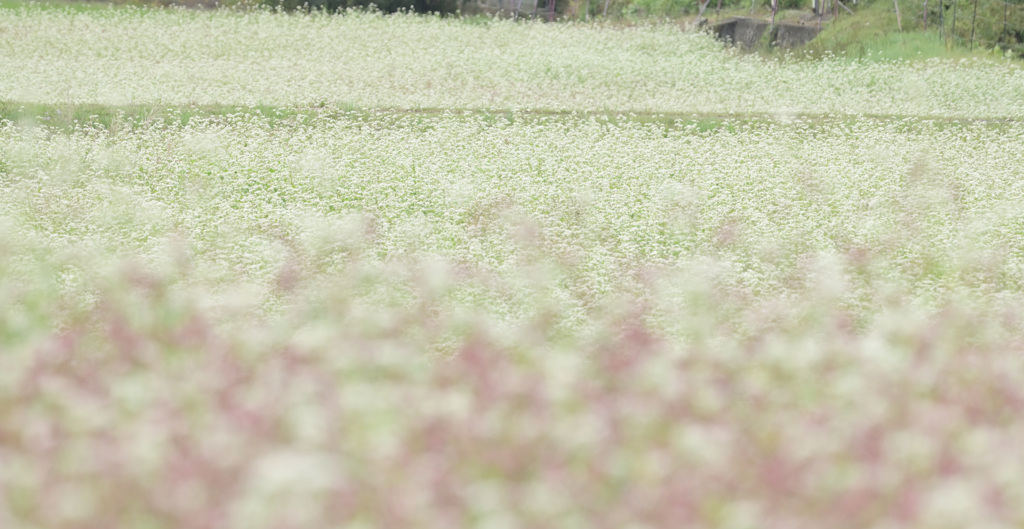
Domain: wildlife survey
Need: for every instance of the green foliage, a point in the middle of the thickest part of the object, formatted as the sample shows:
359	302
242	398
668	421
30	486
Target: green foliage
386	6
873	32
671	8
660	7
997	23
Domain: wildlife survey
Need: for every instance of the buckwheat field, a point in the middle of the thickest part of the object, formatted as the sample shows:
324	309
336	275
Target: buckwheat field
261	270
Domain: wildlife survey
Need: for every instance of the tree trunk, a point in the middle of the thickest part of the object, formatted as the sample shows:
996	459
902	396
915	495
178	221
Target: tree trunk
953	30
899	19
973	20
1006	10
702	7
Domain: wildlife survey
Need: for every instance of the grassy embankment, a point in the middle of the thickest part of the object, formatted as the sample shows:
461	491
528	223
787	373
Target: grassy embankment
871	33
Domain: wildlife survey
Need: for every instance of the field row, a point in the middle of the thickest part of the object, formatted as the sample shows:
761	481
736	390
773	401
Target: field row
180	57
931	209
451	321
